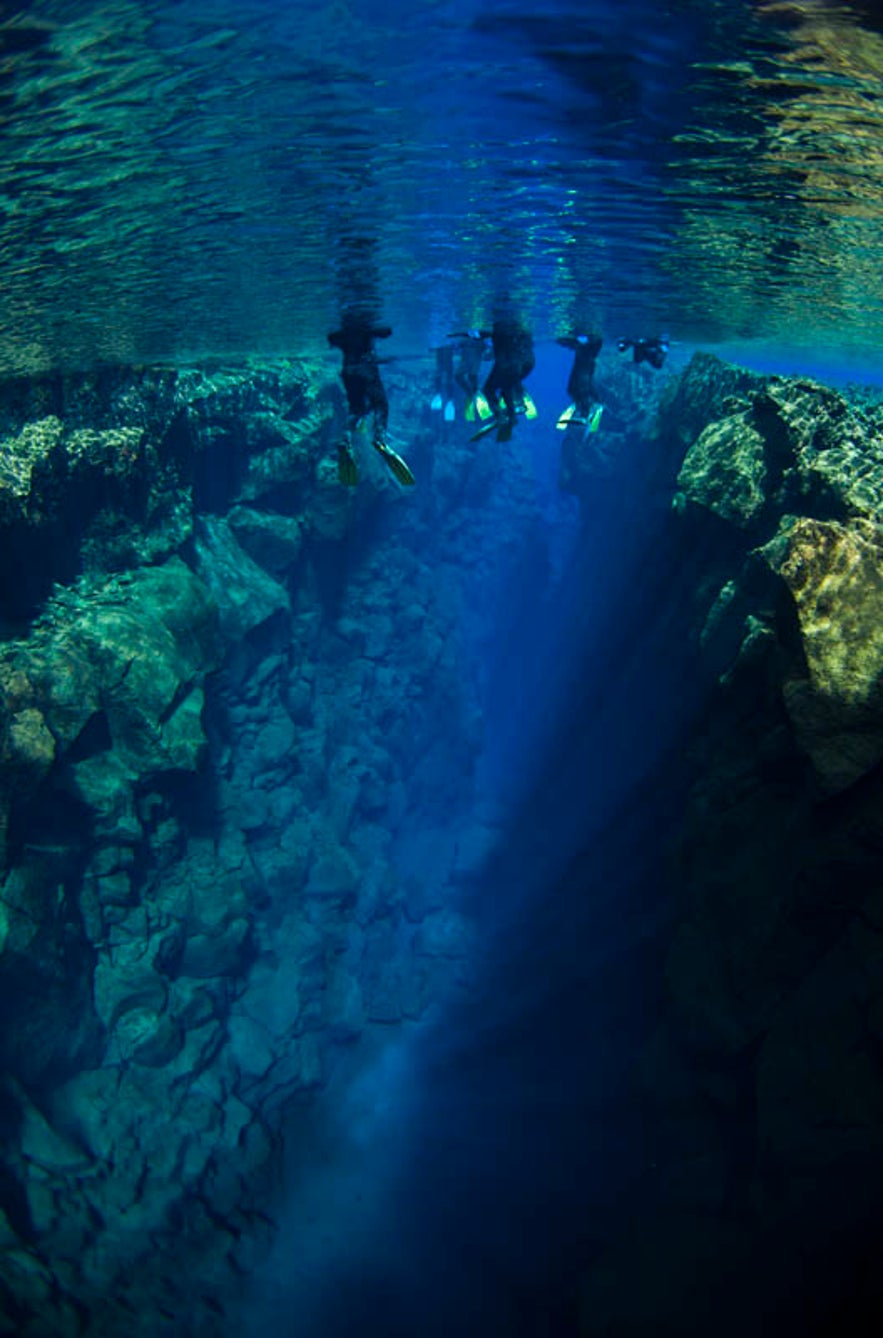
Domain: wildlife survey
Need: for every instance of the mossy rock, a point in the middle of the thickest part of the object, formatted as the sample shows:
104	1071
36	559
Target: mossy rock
25	460
725	470
119	663
834	574
702	394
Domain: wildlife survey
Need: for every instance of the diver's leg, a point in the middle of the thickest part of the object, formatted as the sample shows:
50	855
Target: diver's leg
487	402
438	388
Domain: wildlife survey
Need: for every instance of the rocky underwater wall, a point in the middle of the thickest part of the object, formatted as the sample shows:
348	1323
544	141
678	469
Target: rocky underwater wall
243	788
239	737
761	1205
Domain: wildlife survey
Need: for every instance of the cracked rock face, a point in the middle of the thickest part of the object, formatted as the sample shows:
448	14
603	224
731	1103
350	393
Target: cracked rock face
218	750
762	1081
795	476
834	574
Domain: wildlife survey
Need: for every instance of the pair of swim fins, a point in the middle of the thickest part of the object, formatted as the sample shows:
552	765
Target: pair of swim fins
571	418
486	411
348	470
437	404
499	420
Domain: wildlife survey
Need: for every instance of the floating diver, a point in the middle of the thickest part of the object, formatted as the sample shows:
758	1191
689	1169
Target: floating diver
645	350
472	346
364	394
584	410
443	399
503	391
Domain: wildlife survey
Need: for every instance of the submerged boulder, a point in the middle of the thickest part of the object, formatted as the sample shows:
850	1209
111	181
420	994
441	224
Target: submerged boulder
725	470
782	445
704	393
108	690
139	649
834	574
245	594
272	540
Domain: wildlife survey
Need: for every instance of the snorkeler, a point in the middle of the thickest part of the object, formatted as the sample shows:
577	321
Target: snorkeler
364	394
503	390
584	410
444	382
473	347
645	350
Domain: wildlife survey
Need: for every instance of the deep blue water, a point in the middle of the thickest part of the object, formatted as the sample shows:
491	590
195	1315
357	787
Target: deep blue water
208	178
455	1179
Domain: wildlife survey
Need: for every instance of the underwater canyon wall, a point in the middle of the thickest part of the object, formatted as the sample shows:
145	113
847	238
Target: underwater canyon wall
238	747
244	717
762	1085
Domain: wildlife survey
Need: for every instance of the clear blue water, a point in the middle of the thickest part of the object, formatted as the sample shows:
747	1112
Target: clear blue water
208	178
214	177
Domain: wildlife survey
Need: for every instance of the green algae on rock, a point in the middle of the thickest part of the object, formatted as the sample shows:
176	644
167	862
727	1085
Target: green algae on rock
781	445
834	574
725	470
797	473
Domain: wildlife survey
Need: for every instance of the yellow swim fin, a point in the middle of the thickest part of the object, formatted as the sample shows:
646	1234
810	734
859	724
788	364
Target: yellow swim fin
530	409
484	409
395	464
566	417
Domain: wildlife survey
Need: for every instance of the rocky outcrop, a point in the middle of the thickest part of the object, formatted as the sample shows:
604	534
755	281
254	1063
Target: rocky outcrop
795	476
762	1083
220	745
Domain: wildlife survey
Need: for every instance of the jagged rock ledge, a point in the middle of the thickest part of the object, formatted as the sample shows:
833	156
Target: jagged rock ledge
763	1082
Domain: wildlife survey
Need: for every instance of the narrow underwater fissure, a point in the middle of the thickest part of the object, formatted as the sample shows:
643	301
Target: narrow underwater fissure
463	1173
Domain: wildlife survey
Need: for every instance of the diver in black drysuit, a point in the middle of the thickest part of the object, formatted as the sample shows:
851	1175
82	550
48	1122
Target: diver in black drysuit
645	350
514	359
365	394
361	373
471	347
581	382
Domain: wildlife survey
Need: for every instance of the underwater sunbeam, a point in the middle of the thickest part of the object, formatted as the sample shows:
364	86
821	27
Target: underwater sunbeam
455	1180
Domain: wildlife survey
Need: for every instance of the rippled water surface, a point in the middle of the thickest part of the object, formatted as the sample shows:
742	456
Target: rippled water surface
209	177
